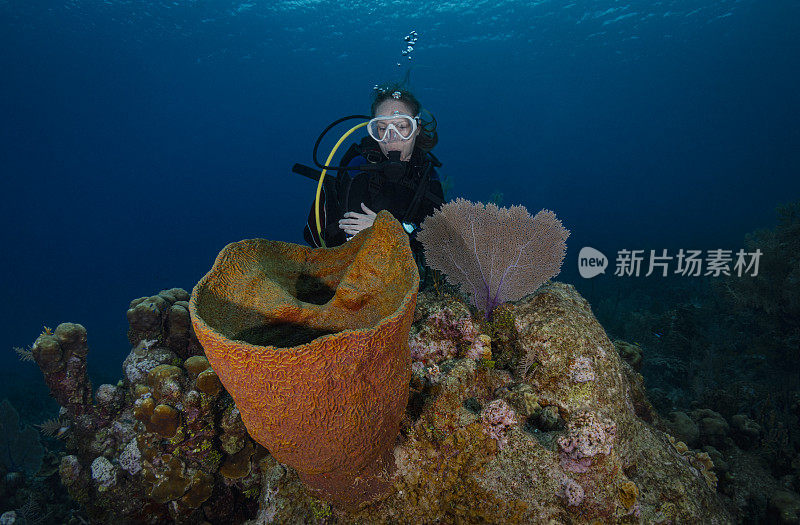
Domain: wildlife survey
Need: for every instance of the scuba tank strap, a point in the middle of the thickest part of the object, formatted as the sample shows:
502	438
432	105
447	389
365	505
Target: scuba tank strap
422	192
352	152
436	162
367	149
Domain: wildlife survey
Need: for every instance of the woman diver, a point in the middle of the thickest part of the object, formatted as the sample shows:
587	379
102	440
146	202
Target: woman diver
390	169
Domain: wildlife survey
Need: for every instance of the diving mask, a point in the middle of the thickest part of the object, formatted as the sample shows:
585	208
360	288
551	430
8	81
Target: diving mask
393	127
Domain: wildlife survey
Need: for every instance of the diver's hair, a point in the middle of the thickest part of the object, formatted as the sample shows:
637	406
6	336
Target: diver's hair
428	137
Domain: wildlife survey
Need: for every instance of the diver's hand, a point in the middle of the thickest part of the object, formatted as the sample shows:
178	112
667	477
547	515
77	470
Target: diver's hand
354	222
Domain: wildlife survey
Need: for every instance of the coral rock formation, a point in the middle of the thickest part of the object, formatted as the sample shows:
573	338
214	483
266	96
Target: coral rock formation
581	449
547	425
151	448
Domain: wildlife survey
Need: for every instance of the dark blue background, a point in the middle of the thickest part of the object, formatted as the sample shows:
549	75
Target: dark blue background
137	140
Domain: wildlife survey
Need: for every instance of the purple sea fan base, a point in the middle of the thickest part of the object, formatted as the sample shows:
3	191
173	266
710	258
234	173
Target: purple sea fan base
494	254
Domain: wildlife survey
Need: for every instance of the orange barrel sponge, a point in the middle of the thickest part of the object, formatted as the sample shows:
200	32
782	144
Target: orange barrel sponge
312	344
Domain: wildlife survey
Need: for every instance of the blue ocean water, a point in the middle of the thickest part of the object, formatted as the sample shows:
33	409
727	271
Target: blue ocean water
138	138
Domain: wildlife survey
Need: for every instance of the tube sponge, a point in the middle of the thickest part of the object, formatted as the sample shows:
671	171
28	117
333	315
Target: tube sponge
312	344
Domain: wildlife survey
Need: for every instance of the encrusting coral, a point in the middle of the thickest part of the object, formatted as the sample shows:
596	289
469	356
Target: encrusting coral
150	449
594	458
313	347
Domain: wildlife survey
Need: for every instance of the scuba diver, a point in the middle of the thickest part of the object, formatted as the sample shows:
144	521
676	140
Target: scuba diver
392	168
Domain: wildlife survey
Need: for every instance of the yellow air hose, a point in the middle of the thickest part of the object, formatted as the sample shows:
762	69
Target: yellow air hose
322	177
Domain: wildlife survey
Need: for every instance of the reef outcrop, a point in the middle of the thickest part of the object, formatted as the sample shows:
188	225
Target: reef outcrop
554	428
165	444
532	417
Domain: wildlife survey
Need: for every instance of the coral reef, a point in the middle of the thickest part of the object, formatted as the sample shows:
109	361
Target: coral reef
479	448
313	347
772	298
569	438
166	443
530	416
720	359
447	332
164	316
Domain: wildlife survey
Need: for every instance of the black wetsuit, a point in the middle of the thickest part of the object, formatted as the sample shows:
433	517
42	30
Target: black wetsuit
378	191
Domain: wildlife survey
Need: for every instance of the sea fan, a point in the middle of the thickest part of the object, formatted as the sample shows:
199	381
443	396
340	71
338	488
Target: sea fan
494	254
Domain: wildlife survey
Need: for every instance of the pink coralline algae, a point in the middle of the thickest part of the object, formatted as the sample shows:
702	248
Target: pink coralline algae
588	435
497	418
581	370
130	460
104	473
431	351
69	469
573	492
445	324
479	344
434	373
446	335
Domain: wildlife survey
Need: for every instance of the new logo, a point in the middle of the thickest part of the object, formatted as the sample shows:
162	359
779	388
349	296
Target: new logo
591	262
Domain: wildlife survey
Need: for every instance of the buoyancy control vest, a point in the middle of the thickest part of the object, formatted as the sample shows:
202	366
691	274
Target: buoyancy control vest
409	190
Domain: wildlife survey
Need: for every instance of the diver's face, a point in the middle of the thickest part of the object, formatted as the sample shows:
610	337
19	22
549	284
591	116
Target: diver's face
405	147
